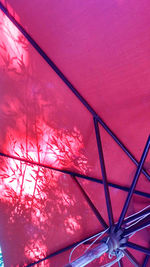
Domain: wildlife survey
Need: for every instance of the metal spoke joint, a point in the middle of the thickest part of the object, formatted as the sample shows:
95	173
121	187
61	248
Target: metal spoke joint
115	241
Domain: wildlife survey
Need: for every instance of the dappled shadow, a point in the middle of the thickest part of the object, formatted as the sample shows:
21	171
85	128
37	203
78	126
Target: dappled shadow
40	208
13	47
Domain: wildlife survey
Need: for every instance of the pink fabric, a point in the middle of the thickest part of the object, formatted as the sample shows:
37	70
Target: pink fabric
103	49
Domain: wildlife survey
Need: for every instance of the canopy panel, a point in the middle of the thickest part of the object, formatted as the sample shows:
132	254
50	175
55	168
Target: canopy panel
103	49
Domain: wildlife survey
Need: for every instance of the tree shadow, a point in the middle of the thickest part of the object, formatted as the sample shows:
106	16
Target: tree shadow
40	209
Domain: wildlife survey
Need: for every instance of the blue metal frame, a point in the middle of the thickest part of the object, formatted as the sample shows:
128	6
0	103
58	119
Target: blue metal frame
61	250
94	209
92	179
133	185
147	257
131	258
104	176
120	263
138	247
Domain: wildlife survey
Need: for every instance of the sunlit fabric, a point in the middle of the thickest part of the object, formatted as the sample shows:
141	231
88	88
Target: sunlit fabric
13	47
1	259
103	49
34	199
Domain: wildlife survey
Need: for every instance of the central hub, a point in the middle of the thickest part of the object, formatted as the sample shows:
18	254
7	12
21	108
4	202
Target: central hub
115	241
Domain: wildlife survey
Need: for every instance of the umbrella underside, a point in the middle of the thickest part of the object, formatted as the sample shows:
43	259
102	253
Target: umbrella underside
65	175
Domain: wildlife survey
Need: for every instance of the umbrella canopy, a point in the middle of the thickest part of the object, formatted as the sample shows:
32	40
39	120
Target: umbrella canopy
74	128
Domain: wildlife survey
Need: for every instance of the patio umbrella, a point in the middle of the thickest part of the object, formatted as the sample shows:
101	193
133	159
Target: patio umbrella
74	141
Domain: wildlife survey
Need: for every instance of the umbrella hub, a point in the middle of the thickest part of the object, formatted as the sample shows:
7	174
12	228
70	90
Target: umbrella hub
115	241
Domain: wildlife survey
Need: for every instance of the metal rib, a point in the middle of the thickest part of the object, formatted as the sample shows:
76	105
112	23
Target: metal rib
137	247
90	203
133	185
131	258
60	251
92	179
104	176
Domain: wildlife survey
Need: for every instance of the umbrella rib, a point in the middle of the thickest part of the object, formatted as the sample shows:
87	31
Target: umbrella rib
133	185
126	189
104	176
131	258
61	250
70	86
137	247
120	187
120	263
147	257
50	167
90	203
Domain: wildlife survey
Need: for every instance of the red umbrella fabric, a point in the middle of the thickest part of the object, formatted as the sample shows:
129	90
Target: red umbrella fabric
62	64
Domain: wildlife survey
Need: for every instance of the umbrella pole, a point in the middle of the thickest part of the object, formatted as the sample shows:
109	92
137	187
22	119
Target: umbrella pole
89	256
104	175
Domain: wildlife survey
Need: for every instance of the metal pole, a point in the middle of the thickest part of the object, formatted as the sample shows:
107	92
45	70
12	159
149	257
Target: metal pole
146	261
120	263
32	162
133	185
131	258
61	250
92	179
104	176
90	203
137	247
89	256
122	146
